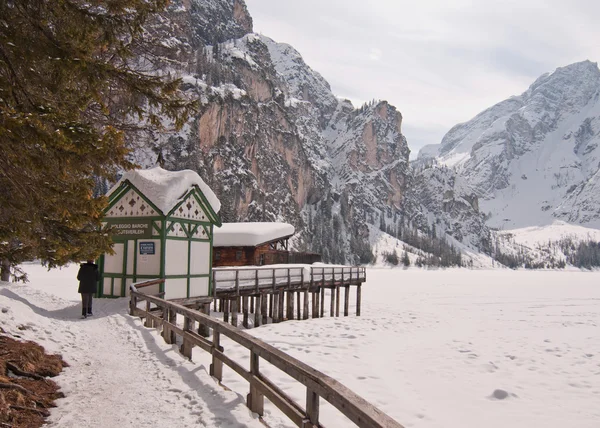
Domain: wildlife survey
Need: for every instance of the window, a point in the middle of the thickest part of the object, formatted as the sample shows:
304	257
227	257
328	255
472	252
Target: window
238	256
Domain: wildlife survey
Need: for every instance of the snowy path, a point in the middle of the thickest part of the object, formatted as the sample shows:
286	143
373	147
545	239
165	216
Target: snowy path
120	375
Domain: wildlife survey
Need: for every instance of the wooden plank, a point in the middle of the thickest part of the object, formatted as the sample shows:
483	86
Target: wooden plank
196	340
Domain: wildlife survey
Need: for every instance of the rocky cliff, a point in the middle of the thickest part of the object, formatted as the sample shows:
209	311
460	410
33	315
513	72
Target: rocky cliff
276	145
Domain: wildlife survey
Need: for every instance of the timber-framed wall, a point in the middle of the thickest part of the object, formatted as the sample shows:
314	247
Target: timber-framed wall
148	243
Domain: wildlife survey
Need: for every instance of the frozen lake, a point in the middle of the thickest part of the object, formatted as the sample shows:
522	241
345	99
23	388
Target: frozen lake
432	347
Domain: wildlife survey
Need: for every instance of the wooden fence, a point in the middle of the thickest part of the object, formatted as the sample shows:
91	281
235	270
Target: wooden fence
162	313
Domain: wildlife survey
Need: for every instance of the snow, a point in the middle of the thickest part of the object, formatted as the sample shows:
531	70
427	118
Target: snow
250	234
532	236
442	348
166	188
121	374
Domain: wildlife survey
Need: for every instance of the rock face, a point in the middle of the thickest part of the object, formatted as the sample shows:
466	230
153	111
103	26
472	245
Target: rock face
276	145
534	158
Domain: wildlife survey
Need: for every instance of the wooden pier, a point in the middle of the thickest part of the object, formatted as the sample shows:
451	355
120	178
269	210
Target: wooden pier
280	293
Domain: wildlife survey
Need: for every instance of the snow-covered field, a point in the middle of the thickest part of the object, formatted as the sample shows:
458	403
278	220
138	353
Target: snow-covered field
430	349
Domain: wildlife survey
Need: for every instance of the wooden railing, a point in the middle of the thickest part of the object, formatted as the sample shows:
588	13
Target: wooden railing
318	385
258	277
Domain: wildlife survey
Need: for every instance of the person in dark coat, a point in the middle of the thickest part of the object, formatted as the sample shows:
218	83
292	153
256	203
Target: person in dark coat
88	277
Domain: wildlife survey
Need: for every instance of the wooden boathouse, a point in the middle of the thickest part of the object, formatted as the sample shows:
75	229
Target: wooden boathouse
256	244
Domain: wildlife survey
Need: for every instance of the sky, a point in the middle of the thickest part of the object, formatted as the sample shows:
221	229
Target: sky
439	62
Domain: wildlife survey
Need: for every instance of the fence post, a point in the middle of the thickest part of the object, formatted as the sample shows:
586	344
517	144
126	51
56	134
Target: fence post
312	407
257	308
132	304
234	312
255	400
147	322
204	330
186	346
216	367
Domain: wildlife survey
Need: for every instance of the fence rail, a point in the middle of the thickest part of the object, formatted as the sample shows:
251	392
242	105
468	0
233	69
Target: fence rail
318	385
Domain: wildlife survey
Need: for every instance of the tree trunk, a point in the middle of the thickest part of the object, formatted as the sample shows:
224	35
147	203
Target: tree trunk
5	270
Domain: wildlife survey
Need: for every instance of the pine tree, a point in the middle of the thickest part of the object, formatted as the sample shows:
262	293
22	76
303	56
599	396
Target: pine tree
75	82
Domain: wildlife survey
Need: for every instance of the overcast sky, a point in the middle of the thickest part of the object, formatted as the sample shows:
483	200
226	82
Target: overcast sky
439	62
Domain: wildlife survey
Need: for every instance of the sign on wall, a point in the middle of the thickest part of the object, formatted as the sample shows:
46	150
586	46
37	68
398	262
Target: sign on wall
147	248
130	228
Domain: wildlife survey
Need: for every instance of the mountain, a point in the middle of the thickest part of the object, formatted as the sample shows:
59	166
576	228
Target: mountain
533	158
275	144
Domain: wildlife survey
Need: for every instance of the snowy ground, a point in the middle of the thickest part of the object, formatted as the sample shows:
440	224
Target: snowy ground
430	349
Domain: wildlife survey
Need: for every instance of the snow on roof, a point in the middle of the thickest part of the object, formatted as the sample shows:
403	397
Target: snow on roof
166	188
250	234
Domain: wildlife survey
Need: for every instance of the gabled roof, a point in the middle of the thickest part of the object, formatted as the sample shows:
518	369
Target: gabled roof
165	189
250	234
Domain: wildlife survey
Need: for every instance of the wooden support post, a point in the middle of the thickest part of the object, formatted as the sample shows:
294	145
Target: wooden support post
234	312
255	400
252	304
271	298
358	296
186	346
312	407
276	318
305	314
332	302
264	310
257	317
132	305
225	310
166	332
245	309
216	367
169	335
147	321
220	305
204	330
281	305
337	301
317	296
290	305
298	306
322	313
346	299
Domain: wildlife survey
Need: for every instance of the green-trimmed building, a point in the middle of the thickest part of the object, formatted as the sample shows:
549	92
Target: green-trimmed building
163	223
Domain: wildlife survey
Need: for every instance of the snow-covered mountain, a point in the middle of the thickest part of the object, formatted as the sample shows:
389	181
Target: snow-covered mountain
276	144
534	158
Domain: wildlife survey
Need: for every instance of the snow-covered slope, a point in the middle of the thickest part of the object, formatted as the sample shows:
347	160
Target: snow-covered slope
534	158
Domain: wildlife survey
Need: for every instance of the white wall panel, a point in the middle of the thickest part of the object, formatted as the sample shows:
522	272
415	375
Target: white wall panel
176	288
176	260
200	260
130	256
198	287
114	263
